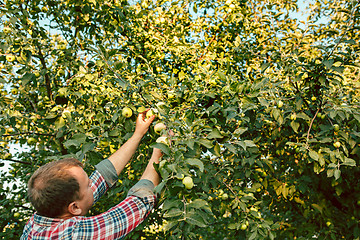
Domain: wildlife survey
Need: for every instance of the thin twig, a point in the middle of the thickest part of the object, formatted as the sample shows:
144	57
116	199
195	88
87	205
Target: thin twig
311	123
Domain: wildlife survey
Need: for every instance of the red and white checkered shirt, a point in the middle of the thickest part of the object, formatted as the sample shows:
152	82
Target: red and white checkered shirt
115	223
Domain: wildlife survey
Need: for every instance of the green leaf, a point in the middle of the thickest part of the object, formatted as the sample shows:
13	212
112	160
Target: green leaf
265	66
159	187
195	219
198	203
196	162
59	123
76	140
163	147
328	63
249	143
295	126
337	174
240	130
173	212
206	143
215	133
349	162
314	155
253	235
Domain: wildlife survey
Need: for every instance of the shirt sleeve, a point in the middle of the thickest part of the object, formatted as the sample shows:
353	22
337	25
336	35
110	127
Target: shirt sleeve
108	171
142	188
118	221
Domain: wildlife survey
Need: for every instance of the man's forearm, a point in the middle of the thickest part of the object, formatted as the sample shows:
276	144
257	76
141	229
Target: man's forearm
122	156
150	172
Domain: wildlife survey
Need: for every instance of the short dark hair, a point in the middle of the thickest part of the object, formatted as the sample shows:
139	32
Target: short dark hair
52	187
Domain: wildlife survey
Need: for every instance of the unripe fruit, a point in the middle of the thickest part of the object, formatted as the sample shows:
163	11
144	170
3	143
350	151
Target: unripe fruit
243	226
159	127
337	144
10	58
336	127
224	196
280	104
127	112
31	141
313	98
149	113
7	30
16	214
163	140
14	91
188	182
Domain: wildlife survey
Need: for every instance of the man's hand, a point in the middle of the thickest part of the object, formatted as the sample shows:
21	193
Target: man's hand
122	156
143	124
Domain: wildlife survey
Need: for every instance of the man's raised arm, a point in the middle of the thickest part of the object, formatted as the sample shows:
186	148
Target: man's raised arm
122	156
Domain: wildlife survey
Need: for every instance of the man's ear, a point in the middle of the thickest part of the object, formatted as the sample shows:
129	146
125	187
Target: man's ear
74	209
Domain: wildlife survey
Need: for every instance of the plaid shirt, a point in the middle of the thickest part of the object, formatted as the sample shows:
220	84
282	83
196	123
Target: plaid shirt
115	223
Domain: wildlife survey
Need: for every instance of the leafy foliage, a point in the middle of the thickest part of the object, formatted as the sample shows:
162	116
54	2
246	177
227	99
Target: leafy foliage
264	107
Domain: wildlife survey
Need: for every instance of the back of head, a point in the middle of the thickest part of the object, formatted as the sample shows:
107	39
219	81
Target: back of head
52	188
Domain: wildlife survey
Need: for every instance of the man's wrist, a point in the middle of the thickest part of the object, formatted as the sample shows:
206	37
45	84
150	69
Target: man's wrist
137	135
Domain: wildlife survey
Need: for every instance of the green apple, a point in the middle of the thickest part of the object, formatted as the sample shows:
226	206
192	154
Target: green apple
280	104
224	196
7	30
163	140
14	91
337	144
10	130
31	141
127	112
243	226
150	113
17	215
188	182
336	127
10	57
159	127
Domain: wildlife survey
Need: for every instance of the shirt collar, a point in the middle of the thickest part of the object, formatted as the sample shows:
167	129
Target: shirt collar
46	221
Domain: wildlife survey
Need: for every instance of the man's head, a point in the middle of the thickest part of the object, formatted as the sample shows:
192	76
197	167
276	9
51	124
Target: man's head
60	188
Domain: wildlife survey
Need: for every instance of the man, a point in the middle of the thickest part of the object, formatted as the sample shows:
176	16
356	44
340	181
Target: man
62	193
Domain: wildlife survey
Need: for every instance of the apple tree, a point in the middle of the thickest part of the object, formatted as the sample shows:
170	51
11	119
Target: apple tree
263	103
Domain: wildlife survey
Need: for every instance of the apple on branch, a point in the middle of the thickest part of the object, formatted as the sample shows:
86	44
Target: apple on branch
159	127
188	182
127	112
149	113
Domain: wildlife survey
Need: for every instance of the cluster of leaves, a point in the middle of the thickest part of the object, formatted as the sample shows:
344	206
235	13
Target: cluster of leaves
264	109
